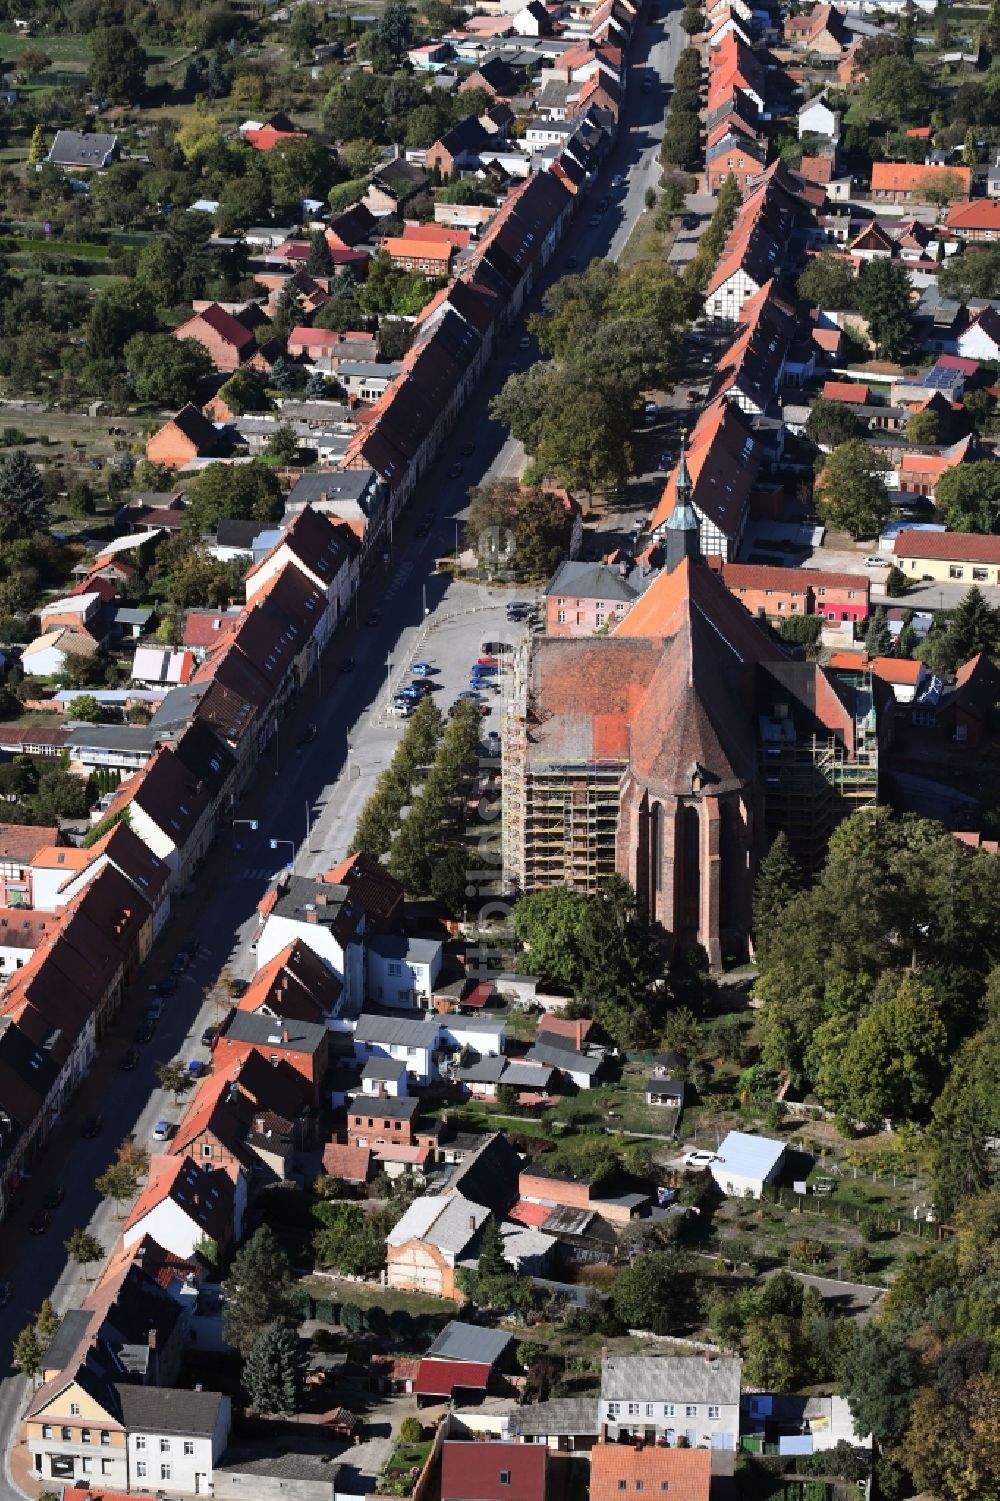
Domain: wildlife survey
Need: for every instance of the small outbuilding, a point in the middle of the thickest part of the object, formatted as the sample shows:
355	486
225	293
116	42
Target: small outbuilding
744	1164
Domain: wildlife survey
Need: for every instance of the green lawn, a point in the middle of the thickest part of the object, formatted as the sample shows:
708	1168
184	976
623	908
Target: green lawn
337	1290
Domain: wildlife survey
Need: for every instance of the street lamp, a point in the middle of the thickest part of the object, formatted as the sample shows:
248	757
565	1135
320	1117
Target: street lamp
291	845
310	810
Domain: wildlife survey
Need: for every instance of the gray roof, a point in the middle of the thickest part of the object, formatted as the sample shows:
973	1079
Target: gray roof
159	1409
276	1459
274	1032
133	614
486	1071
383	1068
563	1416
321	902
392	1030
67	1338
79	148
591	581
458	1341
671	1378
234	533
672	1087
369	369
528	1075
398	946
330	485
568	1059
114	737
393	1107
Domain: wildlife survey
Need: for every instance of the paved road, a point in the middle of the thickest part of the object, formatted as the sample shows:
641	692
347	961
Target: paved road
312	787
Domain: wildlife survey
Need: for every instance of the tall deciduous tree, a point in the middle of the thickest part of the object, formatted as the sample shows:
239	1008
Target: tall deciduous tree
654	1292
84	1248
877	1379
968	497
884	300
831	422
852	490
117	64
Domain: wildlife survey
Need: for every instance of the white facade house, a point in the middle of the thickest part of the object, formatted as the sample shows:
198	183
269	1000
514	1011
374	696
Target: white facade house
174	1438
981	340
183	1203
485	1034
725	302
316	914
817	119
383	1078
325	551
402	971
744	1164
413	1042
664	1398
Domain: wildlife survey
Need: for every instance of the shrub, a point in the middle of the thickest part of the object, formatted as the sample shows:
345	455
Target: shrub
807	1252
411	1430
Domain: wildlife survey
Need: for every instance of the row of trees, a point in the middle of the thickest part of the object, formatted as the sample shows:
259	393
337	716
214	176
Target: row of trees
609	335
682	132
429	854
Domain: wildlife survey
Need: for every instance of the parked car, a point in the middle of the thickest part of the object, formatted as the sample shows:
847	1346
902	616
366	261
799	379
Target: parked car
524	343
455	471
487	662
874	561
208	1037
699	1159
400	710
6	1293
196	1068
423	670
54	1196
375	618
347	665
238	989
155	1009
40	1223
495	648
618	180
493	743
689	221
162	1131
145	1033
471	693
308	737
129	1061
92	1126
410	693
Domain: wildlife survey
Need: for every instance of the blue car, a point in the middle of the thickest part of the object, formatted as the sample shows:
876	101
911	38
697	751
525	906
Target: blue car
471	693
422	670
410	691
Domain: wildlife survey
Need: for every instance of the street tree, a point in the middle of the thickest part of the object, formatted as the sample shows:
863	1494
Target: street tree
118	1182
884	301
274	1370
174	1078
257	1290
47	1322
852	491
682	139
28	1352
84	1248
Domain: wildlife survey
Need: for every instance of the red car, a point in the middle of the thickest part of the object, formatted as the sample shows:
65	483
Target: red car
487	662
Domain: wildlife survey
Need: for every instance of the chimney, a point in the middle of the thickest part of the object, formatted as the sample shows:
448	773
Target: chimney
284	1034
311	917
472	1222
152	1339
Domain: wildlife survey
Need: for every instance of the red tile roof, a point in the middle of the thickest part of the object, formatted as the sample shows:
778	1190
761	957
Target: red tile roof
952	547
439	1378
618	1472
897	670
352	1164
214	317
492	1471
845	390
204	1195
20	843
207	627
982	213
914	177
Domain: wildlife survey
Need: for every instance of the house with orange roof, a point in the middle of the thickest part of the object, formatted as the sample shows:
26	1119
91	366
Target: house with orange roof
751	370
294	983
429	256
273	132
721	463
943	557
188	435
183	1204
904	677
250	1117
323	551
728	152
910	182
780	593
981	339
227	341
626	1468
873	243
919	473
822	31
852	393
975	221
20	844
758	242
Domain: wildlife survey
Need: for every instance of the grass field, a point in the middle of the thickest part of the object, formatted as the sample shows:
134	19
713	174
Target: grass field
369	1295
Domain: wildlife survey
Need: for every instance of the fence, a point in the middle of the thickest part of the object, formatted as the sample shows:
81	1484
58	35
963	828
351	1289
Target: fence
835	1209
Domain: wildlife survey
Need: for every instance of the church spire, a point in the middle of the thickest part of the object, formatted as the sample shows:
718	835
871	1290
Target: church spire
683	533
